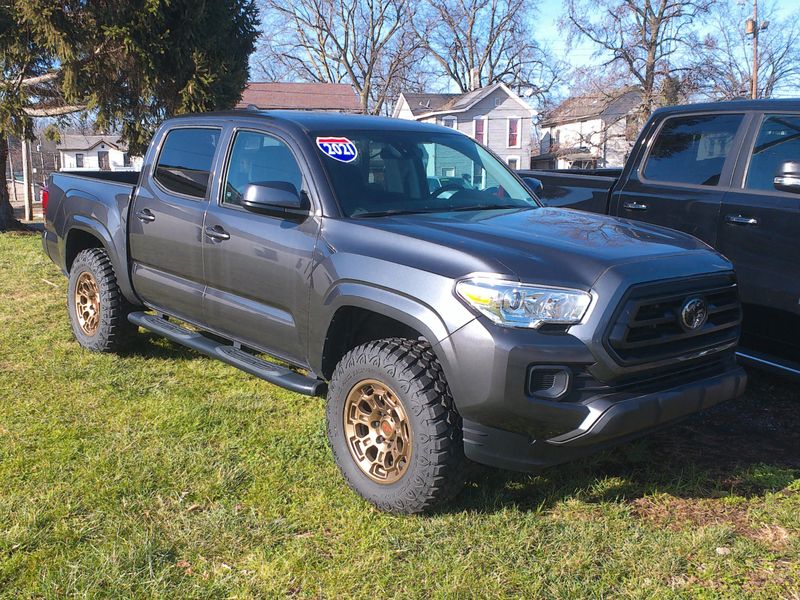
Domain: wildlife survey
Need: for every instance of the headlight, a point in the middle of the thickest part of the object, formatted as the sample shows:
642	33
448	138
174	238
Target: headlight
523	305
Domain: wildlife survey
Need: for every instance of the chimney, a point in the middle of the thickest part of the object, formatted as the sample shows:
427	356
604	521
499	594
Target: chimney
474	78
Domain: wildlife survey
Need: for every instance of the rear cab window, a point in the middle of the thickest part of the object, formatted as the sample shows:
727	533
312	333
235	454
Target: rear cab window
184	163
692	149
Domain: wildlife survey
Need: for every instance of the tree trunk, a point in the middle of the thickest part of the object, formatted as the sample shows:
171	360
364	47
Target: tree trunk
7	220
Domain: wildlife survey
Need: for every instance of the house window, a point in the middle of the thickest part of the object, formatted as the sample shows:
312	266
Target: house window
450	122
79	161
480	130
513	162
513	132
448	171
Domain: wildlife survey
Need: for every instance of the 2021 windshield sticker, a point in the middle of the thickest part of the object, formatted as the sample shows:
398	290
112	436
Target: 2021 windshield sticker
338	148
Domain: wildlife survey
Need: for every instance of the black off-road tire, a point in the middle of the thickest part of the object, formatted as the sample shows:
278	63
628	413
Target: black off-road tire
113	330
434	472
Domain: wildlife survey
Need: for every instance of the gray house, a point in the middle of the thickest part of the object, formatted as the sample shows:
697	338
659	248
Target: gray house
494	116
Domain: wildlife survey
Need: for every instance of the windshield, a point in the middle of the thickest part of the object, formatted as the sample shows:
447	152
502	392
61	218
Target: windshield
378	173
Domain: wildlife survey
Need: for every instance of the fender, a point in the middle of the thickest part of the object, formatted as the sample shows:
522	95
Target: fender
390	303
77	222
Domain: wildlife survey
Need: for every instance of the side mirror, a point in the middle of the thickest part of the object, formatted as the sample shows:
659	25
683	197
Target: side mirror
534	185
787	177
274	197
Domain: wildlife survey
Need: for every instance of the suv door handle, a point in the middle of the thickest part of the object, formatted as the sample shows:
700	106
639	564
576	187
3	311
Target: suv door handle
634	206
740	220
145	216
217	233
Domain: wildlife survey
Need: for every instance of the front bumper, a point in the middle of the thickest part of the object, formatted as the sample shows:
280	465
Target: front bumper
611	420
507	425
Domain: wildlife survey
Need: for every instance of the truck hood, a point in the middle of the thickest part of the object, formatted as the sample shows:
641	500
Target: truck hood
544	245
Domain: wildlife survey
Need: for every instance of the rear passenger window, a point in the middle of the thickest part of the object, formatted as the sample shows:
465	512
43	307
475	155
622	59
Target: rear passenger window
185	161
259	158
778	140
692	149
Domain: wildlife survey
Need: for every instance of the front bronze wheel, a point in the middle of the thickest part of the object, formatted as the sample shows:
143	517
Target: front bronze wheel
378	431
393	427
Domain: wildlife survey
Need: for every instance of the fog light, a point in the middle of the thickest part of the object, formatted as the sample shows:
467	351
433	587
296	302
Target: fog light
551	382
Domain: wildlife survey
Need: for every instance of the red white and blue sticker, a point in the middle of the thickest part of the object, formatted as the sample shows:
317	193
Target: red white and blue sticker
338	148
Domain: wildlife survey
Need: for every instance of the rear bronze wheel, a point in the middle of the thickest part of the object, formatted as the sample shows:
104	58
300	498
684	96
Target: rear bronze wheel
393	427
87	303
98	311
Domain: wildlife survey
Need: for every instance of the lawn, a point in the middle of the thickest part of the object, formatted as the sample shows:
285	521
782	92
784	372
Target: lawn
161	473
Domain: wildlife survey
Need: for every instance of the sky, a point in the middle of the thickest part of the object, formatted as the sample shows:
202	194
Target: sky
550	34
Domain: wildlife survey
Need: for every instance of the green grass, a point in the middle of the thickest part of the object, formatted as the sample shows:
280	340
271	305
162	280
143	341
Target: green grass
161	473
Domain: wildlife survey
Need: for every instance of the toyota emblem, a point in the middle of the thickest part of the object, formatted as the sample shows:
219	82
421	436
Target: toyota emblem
694	314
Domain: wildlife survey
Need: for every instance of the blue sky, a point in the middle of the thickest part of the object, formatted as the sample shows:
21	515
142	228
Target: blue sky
548	31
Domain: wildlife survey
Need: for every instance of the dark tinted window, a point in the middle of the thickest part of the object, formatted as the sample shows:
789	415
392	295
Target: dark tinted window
259	158
692	149
185	160
778	140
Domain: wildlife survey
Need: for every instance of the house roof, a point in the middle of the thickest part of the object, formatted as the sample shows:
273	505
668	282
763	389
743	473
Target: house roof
70	141
300	96
426	105
609	106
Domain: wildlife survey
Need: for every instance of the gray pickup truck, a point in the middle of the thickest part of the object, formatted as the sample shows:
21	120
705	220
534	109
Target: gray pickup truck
444	316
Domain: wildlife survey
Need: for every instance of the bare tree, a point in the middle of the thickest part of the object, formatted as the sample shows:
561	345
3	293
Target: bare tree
367	44
480	42
728	69
651	43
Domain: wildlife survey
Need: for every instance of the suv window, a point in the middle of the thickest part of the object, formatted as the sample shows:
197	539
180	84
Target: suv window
692	149
185	160
778	140
258	158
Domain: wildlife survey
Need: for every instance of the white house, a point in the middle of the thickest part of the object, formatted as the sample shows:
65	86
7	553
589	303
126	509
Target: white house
494	115
96	152
589	132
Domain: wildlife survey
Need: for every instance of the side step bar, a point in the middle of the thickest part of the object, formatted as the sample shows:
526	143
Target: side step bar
276	374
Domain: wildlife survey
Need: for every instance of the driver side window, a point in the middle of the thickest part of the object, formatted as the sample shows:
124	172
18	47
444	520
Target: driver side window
778	140
258	158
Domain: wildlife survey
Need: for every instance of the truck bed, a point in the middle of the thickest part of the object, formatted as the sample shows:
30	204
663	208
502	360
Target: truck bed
582	189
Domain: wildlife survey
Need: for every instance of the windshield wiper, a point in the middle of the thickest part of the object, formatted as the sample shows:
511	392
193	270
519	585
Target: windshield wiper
489	207
387	213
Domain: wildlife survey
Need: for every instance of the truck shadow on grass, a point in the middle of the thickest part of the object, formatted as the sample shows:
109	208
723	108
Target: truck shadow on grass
745	448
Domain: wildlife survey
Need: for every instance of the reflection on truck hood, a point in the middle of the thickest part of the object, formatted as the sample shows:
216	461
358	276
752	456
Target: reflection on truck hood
548	245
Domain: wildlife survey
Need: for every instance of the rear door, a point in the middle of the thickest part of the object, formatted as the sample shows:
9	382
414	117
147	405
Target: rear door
166	222
759	231
258	265
680	181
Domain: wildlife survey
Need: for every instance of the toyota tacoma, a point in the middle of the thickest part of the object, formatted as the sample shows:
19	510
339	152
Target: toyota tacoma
406	273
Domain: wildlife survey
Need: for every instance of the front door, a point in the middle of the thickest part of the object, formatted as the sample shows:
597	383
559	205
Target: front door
102	160
166	223
681	182
759	231
258	265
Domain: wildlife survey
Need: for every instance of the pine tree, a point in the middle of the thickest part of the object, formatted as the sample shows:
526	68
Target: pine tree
131	63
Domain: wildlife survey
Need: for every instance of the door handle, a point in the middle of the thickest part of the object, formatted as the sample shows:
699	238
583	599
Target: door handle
217	233
634	206
740	220
145	216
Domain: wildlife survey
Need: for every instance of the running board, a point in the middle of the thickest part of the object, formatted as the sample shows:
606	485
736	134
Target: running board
236	357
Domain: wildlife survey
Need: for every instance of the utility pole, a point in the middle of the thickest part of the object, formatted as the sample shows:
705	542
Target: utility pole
752	27
26	177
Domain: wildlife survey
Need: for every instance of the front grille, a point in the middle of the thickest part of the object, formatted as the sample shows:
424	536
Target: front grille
646	327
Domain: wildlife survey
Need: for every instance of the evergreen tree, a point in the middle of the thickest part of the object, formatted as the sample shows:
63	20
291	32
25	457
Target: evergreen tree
132	63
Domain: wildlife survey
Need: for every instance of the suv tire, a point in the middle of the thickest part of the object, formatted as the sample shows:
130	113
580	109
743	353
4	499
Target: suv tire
393	427
98	312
